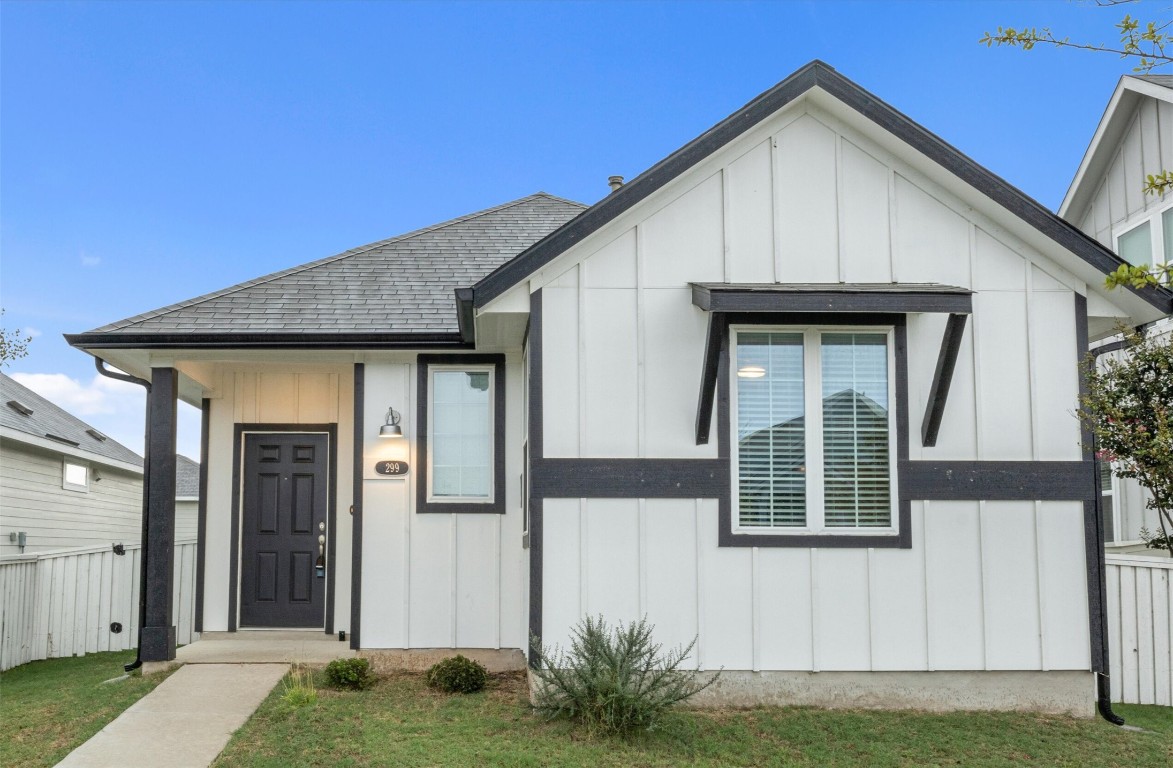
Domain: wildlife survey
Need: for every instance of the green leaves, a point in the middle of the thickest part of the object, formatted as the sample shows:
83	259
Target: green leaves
1144	42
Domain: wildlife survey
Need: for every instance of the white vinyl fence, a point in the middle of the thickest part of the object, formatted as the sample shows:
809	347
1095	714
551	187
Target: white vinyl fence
1140	628
63	603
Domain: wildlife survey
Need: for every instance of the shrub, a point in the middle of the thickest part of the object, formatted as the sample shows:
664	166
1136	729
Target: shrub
299	690
350	673
457	675
613	680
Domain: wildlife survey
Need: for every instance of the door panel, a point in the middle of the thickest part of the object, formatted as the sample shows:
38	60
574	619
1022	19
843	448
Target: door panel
284	510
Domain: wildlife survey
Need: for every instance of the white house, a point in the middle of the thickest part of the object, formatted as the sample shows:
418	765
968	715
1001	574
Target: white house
1106	200
63	483
802	390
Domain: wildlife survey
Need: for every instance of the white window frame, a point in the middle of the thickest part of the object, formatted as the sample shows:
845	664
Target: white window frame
813	412
77	487
489	369
1155	217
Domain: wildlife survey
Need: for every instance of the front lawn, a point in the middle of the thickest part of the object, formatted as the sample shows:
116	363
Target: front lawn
401	722
48	708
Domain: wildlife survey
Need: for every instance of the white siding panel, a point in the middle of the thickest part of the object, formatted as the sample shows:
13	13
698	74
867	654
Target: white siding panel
805	200
929	238
560	371
997	267
999	317
726	599
385	505
609	373
431	581
1150	145
1133	165
1117	205
277	398
317	398
1054	368
478	580
613	265
611	550
784	609
1165	126
957	439
1102	217
1062	566
674	340
898	616
866	242
684	241
953	567
749	230
561	574
670	571
1011	585
841	598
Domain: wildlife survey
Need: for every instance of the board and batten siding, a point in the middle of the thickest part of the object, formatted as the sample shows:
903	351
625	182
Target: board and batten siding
32	500
1140	628
285	394
986	585
437	580
1119	199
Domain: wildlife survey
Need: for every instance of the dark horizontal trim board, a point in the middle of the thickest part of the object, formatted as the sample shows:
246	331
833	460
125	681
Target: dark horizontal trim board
996	480
832	298
629	478
267	341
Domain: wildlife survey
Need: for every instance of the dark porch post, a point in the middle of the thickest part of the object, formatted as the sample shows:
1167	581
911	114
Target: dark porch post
157	641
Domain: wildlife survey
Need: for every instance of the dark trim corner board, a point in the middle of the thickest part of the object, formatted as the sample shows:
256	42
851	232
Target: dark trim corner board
497	505
356	508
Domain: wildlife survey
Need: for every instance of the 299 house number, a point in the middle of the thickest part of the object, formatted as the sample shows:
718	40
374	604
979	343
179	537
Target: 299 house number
391	467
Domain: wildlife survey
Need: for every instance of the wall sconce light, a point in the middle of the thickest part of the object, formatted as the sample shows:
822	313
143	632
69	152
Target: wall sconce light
391	426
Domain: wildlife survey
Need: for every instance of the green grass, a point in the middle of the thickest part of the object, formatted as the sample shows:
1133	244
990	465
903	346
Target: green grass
48	708
399	721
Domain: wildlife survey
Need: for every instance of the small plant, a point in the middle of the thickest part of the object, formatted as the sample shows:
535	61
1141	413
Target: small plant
350	673
299	690
1155	540
458	674
613	680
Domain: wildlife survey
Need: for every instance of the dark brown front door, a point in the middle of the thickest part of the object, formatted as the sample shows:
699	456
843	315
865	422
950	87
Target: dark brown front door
284	512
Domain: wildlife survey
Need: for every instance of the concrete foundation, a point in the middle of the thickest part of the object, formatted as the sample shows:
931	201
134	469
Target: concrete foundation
264	647
420	659
1066	692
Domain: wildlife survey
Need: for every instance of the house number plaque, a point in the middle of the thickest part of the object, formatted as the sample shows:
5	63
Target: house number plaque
391	468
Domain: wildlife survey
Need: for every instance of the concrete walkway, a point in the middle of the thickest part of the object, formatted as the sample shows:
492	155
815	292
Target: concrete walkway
185	722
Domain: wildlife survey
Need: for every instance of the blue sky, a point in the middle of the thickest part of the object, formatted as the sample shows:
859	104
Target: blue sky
151	152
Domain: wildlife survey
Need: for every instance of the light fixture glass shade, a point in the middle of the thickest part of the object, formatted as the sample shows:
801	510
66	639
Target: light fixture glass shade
391	426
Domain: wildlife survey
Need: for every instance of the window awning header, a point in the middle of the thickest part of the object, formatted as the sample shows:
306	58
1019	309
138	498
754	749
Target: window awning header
832	297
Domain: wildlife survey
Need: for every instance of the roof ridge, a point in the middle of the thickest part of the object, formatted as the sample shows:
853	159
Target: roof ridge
186	303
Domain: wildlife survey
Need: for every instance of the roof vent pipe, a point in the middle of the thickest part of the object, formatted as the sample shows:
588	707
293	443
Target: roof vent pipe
616	182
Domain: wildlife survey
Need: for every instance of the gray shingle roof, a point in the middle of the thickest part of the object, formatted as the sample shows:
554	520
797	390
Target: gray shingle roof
1165	80
187	477
401	285
48	420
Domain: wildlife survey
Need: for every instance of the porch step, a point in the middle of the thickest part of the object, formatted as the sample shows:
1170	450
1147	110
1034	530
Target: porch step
264	647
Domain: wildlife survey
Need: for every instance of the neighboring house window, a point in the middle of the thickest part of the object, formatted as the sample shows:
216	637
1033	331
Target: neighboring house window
1136	245
1167	227
1107	495
462	418
814	430
74	476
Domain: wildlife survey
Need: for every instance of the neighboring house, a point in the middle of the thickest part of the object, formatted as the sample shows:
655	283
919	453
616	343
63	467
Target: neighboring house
596	404
63	483
1106	200
187	498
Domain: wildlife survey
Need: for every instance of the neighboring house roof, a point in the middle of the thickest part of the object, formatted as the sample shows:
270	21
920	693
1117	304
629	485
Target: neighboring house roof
395	290
1130	91
26	412
187	478
816	74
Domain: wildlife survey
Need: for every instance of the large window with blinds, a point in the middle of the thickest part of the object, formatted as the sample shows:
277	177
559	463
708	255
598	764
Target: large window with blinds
813	429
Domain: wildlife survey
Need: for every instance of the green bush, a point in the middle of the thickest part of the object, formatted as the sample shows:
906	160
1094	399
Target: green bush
350	673
613	680
457	675
298	687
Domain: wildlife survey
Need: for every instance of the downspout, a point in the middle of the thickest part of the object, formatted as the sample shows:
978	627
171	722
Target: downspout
142	592
1103	681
